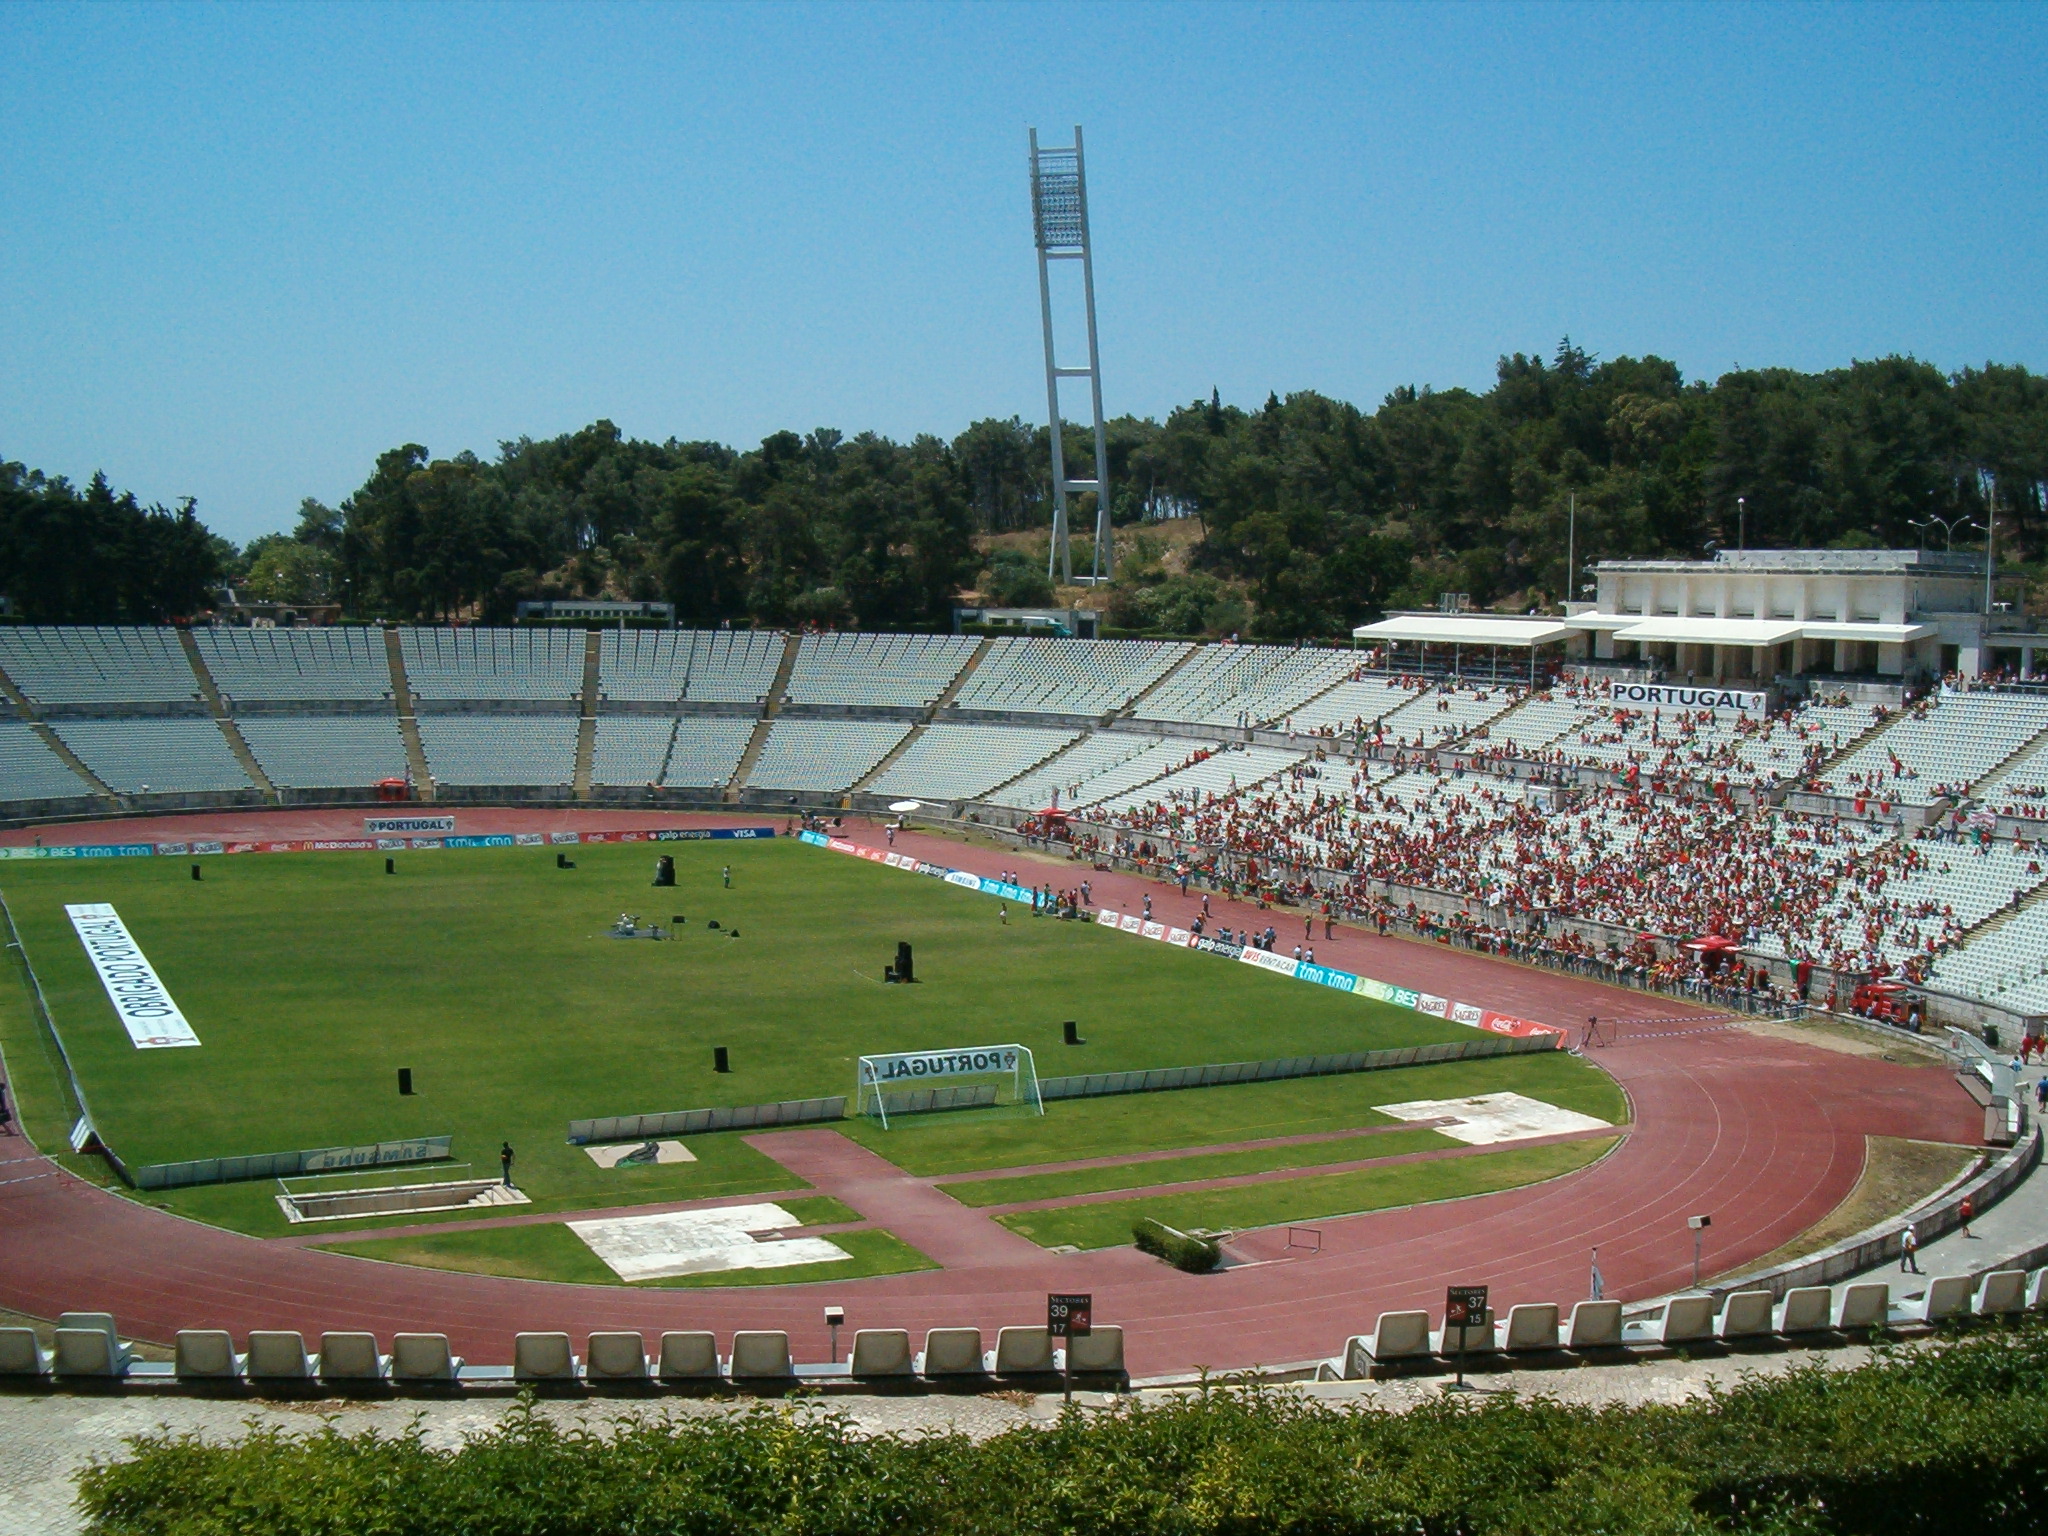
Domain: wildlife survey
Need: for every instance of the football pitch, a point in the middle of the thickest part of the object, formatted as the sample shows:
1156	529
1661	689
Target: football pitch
311	979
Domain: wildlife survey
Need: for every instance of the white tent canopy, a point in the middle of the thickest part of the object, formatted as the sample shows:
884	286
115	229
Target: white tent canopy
1464	629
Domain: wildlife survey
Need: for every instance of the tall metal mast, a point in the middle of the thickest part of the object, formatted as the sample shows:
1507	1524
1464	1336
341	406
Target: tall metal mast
1059	215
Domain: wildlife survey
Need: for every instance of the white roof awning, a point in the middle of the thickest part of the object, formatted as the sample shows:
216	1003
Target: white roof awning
1881	634
1465	629
1680	630
1591	620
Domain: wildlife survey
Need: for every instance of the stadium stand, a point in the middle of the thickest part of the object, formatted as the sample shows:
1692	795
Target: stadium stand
1062	777
500	749
107	665
326	751
1353	705
29	770
822	755
168	756
891	670
1056	675
1940	745
1244	685
2020	788
1216	772
707	751
1442	715
713	666
2006	965
493	664
291	664
959	762
631	749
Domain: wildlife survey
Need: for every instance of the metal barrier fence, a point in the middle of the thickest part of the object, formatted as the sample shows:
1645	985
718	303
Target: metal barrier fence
693	1122
1163	1079
272	1165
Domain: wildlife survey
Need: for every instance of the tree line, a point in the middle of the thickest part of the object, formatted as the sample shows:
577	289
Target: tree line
1310	513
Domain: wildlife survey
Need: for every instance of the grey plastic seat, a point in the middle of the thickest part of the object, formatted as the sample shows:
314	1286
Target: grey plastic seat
1530	1326
1687	1320
87	1345
2037	1291
1746	1315
951	1352
880	1352
616	1357
1947	1296
21	1355
760	1355
1022	1352
1805	1309
1863	1306
277	1356
1595	1325
689	1356
1100	1352
423	1357
543	1357
207	1354
1396	1336
2002	1293
351	1357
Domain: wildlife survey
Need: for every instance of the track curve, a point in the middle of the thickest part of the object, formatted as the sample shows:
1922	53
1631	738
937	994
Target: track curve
1765	1134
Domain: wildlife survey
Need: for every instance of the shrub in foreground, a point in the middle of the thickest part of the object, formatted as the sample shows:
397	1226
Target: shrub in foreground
1947	1440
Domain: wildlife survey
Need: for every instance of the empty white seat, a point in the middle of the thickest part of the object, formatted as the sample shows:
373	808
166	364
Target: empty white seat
542	1357
1395	1336
275	1355
761	1353
1532	1325
21	1355
1100	1351
2001	1292
881	1352
423	1357
1947	1296
616	1357
1746	1315
1867	1305
351	1357
1595	1325
207	1354
1022	1352
88	1345
1805	1309
688	1356
1686	1319
951	1352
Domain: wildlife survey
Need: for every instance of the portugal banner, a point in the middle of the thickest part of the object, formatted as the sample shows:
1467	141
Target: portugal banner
139	996
910	1066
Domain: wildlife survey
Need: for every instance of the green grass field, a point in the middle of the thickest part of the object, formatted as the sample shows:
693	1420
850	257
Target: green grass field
312	978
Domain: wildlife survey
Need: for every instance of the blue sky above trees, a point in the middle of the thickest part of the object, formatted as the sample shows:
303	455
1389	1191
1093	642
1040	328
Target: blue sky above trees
249	248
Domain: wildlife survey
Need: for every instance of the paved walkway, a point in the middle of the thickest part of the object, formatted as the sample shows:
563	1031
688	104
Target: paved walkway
1764	1133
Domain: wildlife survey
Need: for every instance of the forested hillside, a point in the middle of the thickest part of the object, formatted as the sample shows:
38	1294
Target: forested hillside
1302	517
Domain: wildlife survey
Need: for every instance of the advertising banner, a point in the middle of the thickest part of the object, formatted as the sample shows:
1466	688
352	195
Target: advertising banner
960	877
407	824
1464	1013
1285	965
908	1065
1178	936
1671	696
1107	918
1153	931
1436	1006
487	840
565	837
139	996
1130	922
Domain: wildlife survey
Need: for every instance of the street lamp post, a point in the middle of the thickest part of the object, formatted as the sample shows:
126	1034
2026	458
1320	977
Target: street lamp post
1742	522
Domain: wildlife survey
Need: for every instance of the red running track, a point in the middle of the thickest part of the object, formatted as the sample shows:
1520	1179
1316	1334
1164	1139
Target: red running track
1764	1134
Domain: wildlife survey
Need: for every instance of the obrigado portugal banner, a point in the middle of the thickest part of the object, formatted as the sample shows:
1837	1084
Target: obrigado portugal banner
139	995
908	1066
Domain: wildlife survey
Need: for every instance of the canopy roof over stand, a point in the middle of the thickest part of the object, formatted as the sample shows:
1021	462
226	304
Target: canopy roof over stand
1465	629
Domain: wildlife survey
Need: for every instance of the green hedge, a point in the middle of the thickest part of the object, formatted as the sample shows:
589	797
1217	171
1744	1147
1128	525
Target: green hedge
1196	1255
1951	1440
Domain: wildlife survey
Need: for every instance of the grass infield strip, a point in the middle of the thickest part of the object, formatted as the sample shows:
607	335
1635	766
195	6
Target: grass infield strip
550	1251
1210	1165
1108	1225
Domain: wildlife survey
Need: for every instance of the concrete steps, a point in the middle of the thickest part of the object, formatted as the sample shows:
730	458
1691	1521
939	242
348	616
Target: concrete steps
237	744
408	721
586	724
769	710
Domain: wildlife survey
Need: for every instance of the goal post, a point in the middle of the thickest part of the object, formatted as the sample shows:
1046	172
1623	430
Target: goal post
966	1077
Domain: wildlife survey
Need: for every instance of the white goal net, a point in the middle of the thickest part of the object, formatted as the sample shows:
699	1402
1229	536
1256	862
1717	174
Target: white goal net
969	1077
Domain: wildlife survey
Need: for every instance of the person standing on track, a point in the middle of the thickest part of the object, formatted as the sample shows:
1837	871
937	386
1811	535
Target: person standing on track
1909	1250
505	1162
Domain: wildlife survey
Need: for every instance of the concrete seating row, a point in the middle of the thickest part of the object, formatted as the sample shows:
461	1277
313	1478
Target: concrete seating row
88	1349
1406	1338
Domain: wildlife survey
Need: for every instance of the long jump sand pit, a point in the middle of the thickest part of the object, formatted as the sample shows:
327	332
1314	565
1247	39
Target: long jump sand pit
703	1242
1494	1117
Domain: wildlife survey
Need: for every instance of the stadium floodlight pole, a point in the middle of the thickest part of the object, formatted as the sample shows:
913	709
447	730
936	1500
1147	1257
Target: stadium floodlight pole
1059	216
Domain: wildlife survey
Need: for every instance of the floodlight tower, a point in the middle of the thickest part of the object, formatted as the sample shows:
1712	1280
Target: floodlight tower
1059	216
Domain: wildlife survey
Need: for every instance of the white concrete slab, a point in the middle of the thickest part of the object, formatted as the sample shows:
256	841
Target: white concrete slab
702	1242
612	1153
1494	1117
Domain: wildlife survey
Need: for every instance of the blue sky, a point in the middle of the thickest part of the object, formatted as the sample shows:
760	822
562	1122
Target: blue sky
247	248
